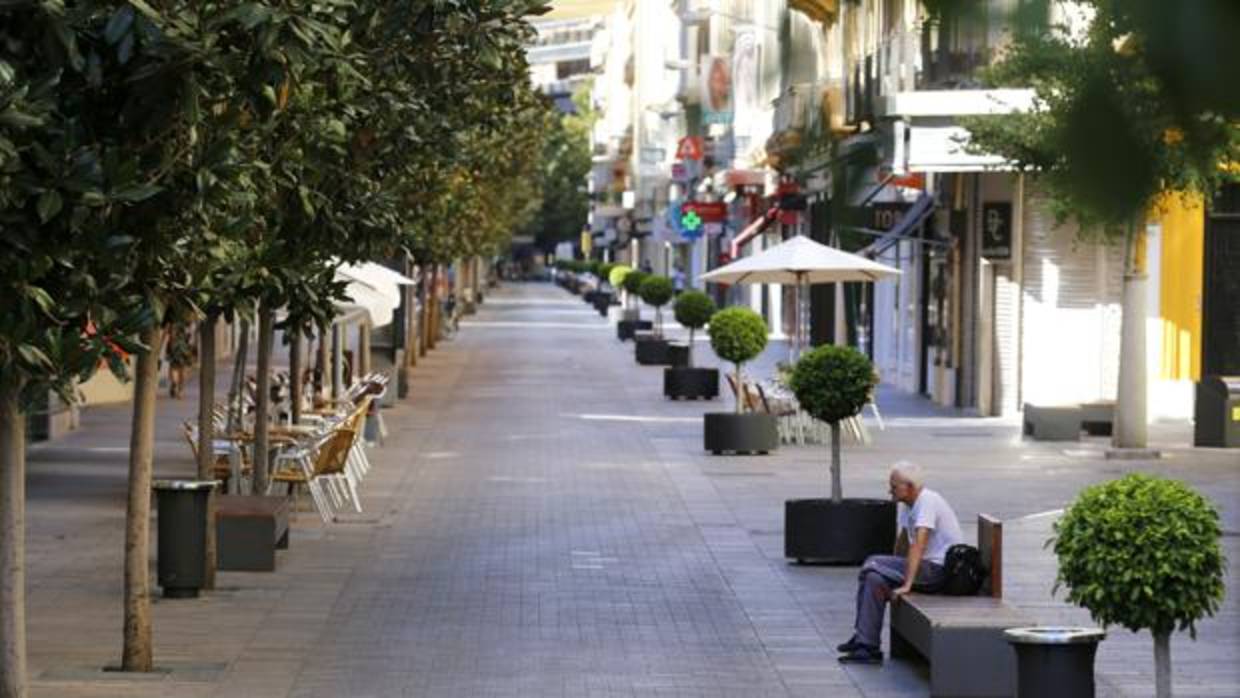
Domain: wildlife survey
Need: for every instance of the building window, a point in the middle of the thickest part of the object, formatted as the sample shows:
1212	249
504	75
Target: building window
567	69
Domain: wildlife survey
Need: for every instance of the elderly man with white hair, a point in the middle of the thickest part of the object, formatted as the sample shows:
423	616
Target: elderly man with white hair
927	528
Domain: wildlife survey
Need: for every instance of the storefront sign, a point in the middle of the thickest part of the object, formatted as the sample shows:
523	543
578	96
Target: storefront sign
885	214
708	211
997	230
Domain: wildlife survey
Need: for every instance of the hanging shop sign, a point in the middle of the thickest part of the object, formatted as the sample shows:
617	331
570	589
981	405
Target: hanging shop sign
997	230
708	211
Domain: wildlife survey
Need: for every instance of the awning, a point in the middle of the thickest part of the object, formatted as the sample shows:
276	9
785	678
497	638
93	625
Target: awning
824	11
917	213
753	230
372	288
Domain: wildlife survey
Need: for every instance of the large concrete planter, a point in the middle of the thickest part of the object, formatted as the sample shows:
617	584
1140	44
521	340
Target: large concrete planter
727	432
681	383
625	329
820	530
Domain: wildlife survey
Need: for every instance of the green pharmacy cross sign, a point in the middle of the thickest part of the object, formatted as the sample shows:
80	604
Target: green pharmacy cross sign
691	222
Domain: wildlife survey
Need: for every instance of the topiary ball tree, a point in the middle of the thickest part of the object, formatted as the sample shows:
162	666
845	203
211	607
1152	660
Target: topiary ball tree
656	291
737	334
693	309
633	284
617	274
1142	552
833	383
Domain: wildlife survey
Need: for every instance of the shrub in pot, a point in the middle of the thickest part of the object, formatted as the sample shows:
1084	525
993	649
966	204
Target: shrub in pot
656	291
738	335
833	383
692	309
1142	552
632	283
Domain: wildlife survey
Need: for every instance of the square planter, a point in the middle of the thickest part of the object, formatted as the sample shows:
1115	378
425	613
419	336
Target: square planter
680	383
750	432
821	530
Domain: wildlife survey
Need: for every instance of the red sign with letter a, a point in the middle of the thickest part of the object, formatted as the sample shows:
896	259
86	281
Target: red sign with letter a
689	148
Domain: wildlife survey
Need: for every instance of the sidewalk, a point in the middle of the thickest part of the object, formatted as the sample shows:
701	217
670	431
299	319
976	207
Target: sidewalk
541	522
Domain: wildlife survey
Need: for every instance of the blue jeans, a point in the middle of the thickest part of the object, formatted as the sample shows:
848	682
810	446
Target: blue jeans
879	575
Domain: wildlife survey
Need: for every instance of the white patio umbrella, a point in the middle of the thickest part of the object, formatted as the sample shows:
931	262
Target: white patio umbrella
802	262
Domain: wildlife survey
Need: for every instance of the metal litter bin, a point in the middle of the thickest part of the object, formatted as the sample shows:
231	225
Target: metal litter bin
182	506
1216	413
1055	661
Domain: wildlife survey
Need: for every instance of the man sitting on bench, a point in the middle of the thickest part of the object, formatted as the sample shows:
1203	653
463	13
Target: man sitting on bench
927	527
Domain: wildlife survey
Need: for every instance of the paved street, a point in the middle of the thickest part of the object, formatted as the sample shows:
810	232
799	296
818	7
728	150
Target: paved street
541	522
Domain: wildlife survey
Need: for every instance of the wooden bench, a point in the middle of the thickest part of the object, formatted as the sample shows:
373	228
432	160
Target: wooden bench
962	636
249	529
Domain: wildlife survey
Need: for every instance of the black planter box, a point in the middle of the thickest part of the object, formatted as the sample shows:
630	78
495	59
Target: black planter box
678	355
625	329
820	530
650	351
741	433
602	301
680	383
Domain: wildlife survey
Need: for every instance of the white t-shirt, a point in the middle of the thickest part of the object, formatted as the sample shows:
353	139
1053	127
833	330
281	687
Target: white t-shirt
933	512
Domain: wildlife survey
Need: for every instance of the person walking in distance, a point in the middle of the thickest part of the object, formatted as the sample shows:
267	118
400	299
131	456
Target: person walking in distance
927	527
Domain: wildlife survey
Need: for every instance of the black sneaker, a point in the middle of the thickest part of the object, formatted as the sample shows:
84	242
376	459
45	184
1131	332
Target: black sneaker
863	655
852	645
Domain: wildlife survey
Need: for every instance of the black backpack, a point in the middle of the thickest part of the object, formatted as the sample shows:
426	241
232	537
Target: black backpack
965	573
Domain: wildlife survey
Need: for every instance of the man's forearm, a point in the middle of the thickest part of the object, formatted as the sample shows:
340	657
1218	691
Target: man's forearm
913	562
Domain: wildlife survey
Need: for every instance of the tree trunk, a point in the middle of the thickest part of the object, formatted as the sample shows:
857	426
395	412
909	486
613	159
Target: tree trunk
837	487
322	362
1162	665
12	545
206	435
658	321
236	409
689	358
294	369
740	391
262	399
137	652
1130	404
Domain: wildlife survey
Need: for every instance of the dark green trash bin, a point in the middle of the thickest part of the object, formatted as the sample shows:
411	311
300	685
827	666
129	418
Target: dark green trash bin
1055	661
182	508
1216	413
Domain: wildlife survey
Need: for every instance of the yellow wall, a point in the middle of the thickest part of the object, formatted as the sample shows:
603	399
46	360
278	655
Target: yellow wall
1182	219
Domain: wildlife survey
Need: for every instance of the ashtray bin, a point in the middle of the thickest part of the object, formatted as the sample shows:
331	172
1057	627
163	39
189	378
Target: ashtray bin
182	525
1055	661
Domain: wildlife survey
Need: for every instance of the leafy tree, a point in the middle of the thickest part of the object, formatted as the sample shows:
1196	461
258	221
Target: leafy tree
833	383
693	309
737	334
657	291
1138	106
1143	552
565	163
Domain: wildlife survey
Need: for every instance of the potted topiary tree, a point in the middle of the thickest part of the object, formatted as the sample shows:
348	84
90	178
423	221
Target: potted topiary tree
632	321
833	383
693	309
656	291
1142	552
738	335
606	292
616	278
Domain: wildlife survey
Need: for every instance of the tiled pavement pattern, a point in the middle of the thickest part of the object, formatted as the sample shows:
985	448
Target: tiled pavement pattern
542	523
